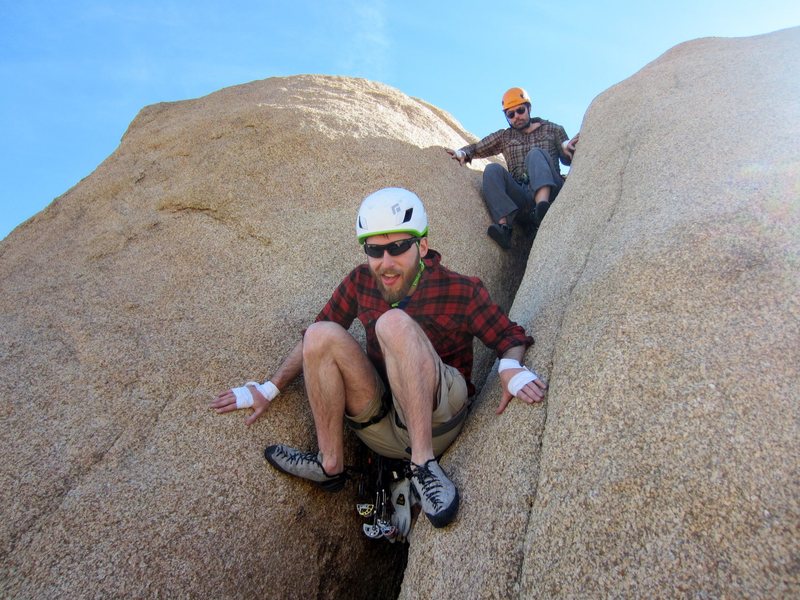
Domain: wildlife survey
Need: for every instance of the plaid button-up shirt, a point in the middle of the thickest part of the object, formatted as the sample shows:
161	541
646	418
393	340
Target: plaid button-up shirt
450	308
515	145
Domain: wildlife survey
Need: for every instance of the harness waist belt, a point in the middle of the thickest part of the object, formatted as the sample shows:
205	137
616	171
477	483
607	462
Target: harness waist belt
444	427
382	412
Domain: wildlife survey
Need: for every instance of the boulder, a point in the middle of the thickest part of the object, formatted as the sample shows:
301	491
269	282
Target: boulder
663	292
187	263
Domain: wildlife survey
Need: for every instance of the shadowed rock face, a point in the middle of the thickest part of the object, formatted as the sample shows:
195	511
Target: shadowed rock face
189	262
664	295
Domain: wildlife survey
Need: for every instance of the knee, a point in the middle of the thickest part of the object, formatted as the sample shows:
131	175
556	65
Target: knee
493	171
319	337
536	154
392	325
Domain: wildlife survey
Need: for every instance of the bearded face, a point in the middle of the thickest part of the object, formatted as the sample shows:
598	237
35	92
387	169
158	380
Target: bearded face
520	117
394	275
394	284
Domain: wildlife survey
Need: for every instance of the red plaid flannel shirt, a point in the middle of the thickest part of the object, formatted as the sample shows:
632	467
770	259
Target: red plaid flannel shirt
451	308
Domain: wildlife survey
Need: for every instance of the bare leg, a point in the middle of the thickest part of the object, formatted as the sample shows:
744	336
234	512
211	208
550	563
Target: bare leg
411	366
339	378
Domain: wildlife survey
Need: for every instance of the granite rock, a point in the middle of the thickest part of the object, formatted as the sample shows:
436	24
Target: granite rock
187	263
664	295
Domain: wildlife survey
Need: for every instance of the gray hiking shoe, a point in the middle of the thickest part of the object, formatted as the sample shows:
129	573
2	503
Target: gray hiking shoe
437	494
307	465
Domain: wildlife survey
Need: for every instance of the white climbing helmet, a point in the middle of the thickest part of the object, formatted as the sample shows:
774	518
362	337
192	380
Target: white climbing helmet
391	210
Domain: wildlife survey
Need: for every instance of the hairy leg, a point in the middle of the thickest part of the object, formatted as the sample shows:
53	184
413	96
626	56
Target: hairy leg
339	378
412	369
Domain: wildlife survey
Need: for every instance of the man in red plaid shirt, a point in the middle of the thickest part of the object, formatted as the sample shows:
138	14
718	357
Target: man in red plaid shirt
532	148
407	396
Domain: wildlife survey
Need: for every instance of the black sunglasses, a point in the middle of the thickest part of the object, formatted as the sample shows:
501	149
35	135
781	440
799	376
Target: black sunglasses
520	110
394	249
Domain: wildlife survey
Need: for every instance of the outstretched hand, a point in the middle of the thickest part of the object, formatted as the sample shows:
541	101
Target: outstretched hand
225	402
457	155
570	146
532	393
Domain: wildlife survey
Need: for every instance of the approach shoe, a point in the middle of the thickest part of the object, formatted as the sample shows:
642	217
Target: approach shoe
307	465
501	234
437	495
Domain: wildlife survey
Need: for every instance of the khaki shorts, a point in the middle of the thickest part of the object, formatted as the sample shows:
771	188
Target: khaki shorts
388	435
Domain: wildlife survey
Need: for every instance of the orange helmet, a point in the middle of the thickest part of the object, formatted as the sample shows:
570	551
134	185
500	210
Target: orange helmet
514	97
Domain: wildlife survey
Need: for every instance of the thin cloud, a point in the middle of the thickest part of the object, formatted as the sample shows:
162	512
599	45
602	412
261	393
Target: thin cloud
367	53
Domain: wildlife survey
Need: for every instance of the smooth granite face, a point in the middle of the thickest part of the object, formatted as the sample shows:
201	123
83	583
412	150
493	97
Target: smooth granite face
190	261
663	290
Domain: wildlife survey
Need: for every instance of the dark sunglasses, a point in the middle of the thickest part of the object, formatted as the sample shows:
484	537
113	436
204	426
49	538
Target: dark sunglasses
520	110
394	249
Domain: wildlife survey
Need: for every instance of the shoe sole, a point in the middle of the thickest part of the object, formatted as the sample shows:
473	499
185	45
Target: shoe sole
334	484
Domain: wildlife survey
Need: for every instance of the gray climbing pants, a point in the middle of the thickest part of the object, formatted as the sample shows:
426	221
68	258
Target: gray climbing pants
505	197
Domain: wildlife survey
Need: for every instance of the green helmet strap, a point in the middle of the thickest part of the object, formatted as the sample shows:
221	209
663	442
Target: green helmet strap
404	301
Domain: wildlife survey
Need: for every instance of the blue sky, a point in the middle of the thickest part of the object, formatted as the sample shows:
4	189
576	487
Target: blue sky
76	72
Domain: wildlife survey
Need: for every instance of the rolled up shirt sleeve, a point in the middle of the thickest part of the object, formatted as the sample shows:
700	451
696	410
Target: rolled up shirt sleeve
491	325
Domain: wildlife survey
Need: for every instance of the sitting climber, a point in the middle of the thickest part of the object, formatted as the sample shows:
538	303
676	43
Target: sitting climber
406	397
532	148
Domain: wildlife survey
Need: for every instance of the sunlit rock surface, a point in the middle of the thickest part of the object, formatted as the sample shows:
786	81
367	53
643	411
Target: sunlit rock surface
189	262
664	294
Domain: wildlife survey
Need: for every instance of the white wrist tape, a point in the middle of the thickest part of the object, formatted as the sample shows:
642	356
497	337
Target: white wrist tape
520	380
268	390
508	363
460	154
244	398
